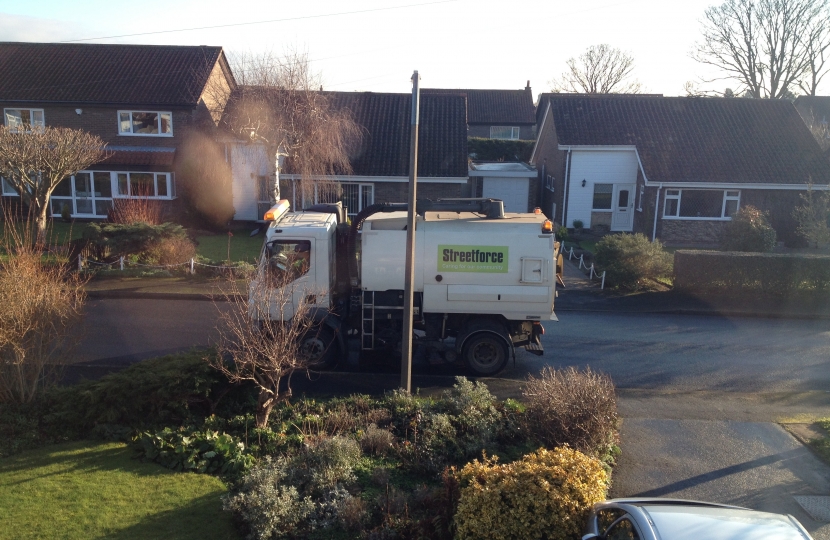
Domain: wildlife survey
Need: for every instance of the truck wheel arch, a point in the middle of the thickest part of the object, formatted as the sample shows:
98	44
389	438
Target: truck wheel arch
486	325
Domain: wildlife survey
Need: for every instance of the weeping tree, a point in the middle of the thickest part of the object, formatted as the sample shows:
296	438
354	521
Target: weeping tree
35	160
278	104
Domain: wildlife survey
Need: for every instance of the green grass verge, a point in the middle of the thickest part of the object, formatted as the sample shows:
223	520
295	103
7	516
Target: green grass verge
95	490
243	246
822	445
57	232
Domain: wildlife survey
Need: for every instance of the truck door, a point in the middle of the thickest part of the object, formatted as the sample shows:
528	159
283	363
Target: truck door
290	271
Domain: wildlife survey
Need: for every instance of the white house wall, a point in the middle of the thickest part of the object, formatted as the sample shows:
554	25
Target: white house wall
596	167
513	191
247	162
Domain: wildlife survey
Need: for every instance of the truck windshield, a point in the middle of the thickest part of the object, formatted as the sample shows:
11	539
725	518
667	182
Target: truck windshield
288	259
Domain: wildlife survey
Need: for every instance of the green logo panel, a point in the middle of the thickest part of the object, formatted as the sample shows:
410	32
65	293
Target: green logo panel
483	259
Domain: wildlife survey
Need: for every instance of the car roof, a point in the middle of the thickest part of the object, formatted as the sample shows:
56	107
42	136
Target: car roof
678	519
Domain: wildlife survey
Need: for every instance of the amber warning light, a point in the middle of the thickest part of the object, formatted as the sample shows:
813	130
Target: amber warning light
547	226
276	211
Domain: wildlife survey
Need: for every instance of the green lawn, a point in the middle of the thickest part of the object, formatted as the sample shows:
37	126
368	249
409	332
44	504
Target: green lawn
95	490
243	246
58	232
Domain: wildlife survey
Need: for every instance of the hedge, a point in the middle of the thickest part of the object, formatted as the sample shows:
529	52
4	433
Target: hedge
763	272
499	150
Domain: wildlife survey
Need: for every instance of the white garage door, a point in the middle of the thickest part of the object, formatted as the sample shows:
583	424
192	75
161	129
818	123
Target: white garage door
513	191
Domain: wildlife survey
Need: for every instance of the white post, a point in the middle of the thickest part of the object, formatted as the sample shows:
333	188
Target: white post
192	270
603	280
581	261
591	274
80	263
122	263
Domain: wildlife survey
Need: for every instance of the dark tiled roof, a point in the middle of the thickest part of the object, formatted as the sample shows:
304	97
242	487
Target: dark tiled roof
105	74
495	106
385	119
120	155
681	139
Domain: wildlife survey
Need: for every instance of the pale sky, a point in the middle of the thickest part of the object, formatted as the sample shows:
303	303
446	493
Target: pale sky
452	43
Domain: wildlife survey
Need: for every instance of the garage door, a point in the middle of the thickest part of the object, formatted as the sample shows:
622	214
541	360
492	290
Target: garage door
513	191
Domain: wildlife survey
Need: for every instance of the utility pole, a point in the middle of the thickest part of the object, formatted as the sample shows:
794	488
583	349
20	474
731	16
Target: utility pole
409	283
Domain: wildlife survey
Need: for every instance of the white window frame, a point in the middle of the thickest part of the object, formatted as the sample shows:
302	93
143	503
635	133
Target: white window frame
677	194
165	176
32	112
549	182
6	189
514	133
360	187
158	114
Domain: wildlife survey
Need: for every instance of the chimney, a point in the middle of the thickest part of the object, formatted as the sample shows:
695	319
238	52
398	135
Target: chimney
528	85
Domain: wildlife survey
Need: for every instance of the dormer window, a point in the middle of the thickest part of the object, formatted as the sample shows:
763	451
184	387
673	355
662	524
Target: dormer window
23	119
145	123
504	132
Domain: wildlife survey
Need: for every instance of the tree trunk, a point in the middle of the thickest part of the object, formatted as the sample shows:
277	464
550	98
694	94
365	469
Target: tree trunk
265	404
42	214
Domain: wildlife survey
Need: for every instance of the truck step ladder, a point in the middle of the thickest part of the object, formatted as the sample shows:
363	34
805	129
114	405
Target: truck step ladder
367	339
535	348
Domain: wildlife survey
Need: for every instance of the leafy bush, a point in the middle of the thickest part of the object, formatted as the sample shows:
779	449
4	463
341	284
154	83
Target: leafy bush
165	390
112	240
499	149
770	273
474	414
269	507
185	449
574	408
749	230
324	464
547	494
175	250
630	259
376	441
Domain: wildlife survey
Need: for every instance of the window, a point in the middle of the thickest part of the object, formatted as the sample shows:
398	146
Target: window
288	259
701	203
23	118
602	196
549	180
355	197
6	187
504	132
145	184
146	123
263	190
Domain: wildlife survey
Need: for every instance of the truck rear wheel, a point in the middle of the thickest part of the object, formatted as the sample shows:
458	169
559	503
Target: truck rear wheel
319	347
486	354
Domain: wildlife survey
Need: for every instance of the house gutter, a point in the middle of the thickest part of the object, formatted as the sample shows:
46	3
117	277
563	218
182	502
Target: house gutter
567	185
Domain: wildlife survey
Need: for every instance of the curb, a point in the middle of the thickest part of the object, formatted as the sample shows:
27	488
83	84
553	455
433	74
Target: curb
121	294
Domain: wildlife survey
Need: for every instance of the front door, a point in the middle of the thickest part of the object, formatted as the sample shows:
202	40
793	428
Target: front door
622	218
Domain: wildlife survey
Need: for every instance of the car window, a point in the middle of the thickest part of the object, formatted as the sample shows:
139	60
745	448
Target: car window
608	516
622	529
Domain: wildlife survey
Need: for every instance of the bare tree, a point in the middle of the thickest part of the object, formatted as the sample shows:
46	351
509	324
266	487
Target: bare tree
279	103
768	46
813	217
35	160
39	319
601	69
816	40
818	127
268	334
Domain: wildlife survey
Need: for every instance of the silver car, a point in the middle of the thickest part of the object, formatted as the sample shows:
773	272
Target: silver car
674	519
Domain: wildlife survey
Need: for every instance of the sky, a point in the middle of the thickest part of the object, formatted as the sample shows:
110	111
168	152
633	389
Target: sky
375	45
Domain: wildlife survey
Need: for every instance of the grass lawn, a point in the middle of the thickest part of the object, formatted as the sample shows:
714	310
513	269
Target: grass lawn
95	490
243	246
822	444
58	232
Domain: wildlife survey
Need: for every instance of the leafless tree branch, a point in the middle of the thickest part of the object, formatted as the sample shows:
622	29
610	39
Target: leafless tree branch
601	69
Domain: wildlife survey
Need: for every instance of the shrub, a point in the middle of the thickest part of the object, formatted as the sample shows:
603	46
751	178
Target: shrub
171	251
376	441
630	259
749	230
268	506
499	149
578	224
140	209
547	494
184	449
572	407
117	240
324	464
474	413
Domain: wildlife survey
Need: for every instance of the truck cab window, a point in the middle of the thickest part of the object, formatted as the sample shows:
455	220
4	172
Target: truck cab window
288	259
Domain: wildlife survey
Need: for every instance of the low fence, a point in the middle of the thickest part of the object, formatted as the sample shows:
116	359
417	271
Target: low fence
592	273
123	264
765	272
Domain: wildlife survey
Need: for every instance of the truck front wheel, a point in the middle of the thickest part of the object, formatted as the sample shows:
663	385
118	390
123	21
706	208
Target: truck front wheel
486	354
318	346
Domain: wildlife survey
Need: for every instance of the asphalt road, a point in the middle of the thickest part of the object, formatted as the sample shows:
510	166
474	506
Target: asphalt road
699	396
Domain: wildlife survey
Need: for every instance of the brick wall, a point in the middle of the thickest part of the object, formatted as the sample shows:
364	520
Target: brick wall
678	232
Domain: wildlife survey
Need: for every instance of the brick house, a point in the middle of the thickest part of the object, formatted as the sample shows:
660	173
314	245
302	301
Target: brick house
380	165
674	168
497	114
142	100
